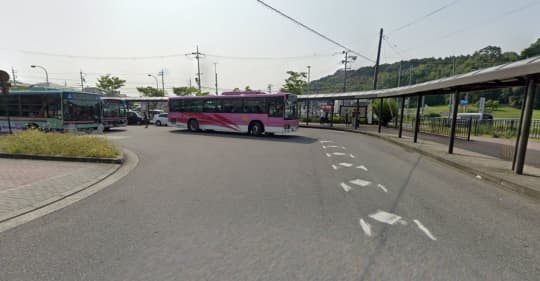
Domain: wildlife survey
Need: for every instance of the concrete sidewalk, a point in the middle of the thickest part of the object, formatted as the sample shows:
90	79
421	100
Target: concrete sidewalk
480	165
26	185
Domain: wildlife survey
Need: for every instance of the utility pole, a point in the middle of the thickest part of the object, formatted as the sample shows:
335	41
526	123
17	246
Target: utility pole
377	61
410	74
269	88
198	55
215	72
14	77
82	80
190	82
308	79
162	74
345	62
454	66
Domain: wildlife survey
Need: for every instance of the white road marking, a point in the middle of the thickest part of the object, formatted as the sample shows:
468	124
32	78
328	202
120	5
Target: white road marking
403	222
325	141
366	227
360	182
334	167
328	155
425	230
324	147
343	147
362	167
344	164
339	153
352	156
385	217
345	187
479	177
332	146
382	187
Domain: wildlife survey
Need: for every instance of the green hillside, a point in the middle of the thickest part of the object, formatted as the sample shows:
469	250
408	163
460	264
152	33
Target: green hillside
426	69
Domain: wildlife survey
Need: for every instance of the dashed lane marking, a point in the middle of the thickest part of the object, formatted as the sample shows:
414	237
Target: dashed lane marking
324	147
343	148
382	187
362	167
326	141
332	146
360	182
366	227
328	155
345	187
339	153
425	230
385	217
352	156
344	164
334	167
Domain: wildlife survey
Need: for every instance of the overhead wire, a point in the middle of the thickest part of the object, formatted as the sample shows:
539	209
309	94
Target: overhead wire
429	14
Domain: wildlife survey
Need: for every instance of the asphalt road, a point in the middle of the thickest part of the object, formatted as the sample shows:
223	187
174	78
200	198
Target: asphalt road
209	206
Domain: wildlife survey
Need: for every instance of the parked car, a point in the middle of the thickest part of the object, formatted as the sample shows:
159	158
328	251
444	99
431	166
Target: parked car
475	116
153	113
161	119
134	118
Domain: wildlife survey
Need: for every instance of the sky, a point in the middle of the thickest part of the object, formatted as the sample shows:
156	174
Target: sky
248	43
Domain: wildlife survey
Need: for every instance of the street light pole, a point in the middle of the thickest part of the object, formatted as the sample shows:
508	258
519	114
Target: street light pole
155	78
46	73
308	78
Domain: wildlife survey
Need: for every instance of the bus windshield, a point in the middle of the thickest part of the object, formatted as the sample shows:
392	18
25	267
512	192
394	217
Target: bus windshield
81	107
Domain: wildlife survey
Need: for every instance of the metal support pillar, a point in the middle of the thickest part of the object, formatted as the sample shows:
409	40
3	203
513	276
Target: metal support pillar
400	134
332	114
455	108
525	128
519	130
417	120
356	125
307	114
380	114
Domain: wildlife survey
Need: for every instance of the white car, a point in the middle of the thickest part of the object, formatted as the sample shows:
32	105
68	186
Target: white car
161	119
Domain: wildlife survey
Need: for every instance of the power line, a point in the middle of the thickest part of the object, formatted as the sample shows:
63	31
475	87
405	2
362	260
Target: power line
424	16
269	58
315	31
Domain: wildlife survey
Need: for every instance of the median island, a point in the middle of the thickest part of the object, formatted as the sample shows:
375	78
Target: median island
36	143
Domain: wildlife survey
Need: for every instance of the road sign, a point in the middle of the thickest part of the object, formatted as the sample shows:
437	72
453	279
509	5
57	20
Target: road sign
464	102
482	105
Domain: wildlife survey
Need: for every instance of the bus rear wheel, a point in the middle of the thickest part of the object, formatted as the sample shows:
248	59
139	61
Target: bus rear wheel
256	129
193	125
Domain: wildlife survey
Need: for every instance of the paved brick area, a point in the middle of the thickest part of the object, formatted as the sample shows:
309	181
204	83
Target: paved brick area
27	184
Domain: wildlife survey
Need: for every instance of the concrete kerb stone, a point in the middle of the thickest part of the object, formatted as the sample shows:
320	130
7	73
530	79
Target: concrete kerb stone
76	190
499	181
117	160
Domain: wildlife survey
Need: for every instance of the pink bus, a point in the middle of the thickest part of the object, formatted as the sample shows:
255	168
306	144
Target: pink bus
246	112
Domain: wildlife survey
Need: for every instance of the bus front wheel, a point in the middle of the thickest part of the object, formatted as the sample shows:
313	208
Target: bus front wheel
193	125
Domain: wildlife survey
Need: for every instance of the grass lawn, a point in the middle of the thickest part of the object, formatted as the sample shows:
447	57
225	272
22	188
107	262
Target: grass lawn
39	143
504	111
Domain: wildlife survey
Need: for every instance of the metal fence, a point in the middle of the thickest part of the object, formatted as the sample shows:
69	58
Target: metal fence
465	128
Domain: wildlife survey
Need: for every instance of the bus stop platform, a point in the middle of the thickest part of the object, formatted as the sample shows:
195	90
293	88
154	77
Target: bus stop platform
470	159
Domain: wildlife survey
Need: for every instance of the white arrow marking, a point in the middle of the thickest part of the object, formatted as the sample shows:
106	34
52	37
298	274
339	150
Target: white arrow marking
339	153
346	164
362	167
425	230
334	167
385	217
382	187
328	155
345	187
366	227
360	182
352	156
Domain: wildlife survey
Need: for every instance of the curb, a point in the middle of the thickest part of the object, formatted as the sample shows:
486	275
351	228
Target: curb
59	197
501	182
118	160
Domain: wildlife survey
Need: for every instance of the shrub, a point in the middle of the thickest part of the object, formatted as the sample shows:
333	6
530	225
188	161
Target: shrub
390	109
39	143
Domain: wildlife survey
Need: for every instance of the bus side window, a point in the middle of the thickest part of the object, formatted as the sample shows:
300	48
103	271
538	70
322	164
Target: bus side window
254	105
232	105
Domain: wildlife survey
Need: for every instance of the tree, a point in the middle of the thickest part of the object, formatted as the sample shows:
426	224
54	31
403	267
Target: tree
188	91
150	92
247	88
532	50
236	90
110	84
390	110
295	83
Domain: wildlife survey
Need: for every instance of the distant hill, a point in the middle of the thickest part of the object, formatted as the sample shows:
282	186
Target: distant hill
425	69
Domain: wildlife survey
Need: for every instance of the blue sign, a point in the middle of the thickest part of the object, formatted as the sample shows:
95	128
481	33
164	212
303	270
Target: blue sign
463	102
69	96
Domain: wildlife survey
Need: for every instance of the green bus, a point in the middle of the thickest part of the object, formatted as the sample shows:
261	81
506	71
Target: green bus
50	110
